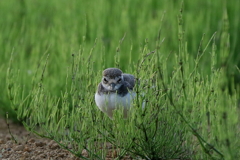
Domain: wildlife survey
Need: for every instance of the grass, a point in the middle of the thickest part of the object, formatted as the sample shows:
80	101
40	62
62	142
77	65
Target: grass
185	55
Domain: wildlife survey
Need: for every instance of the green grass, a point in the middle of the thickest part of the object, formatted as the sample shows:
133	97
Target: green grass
185	55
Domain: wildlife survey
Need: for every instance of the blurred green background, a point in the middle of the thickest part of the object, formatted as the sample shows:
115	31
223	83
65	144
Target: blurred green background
31	28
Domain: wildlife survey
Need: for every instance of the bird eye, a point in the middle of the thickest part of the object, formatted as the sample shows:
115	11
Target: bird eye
105	80
120	80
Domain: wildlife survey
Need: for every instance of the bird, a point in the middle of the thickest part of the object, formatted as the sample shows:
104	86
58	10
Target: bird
114	91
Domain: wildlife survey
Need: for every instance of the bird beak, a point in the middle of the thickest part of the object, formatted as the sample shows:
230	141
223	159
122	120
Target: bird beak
112	86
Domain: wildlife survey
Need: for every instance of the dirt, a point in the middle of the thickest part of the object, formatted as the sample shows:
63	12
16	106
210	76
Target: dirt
31	147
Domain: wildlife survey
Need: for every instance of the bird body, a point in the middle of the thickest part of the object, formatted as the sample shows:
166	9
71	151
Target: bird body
115	91
108	103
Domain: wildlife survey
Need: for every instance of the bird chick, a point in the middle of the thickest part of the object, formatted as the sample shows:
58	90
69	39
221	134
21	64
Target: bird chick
114	91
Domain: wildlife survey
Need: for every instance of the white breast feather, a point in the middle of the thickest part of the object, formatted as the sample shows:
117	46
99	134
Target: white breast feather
108	102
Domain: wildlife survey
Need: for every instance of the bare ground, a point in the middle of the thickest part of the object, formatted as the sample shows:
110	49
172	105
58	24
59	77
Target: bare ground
31	147
28	146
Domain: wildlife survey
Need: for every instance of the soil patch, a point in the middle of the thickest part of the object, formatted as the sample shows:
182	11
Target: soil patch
28	146
31	147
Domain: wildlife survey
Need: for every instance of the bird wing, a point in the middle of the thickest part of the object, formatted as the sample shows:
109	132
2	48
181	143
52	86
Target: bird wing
130	79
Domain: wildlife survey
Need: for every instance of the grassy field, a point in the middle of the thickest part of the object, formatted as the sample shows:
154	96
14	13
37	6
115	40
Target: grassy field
185	54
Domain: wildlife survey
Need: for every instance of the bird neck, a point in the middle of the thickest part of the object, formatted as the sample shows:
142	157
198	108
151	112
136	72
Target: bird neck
121	91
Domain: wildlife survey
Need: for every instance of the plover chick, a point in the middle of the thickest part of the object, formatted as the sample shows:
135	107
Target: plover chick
114	91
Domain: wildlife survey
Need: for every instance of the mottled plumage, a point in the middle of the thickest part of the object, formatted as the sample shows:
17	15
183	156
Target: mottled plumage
115	90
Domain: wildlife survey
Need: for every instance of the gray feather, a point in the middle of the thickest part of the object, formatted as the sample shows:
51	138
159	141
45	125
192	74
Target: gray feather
130	79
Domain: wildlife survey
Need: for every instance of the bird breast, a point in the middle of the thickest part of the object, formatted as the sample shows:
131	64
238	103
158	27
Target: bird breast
113	100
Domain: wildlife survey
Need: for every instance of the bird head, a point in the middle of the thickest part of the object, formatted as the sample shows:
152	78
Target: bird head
112	79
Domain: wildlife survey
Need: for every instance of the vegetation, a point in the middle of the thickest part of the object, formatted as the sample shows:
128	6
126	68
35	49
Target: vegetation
184	54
